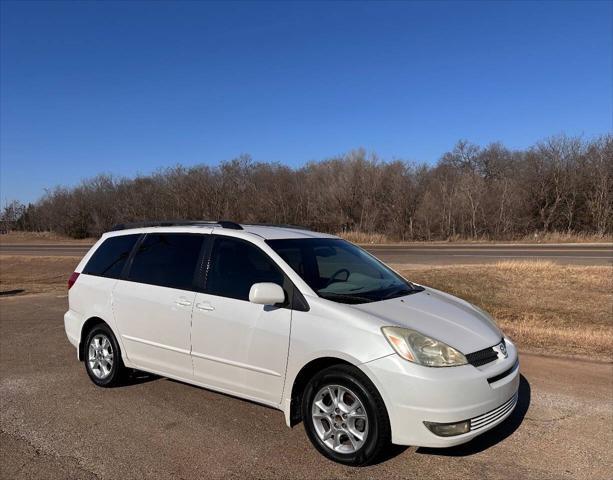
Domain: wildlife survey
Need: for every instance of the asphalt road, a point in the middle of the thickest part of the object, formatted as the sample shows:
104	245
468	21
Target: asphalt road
437	254
488	253
55	424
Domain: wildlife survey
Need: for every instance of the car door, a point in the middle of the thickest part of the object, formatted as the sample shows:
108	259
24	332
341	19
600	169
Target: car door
153	302
238	346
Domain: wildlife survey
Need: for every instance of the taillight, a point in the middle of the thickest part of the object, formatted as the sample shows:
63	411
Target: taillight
72	279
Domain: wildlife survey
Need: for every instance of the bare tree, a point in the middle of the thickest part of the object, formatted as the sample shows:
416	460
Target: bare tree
560	184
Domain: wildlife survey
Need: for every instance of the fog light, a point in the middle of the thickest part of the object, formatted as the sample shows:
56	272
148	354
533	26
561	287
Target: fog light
448	429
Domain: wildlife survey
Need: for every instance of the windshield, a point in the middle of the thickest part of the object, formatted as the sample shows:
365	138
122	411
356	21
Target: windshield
340	271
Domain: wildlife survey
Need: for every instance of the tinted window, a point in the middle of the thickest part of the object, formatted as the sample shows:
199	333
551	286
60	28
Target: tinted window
167	259
236	265
340	271
108	260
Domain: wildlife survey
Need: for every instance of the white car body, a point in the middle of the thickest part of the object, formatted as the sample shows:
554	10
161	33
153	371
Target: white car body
254	352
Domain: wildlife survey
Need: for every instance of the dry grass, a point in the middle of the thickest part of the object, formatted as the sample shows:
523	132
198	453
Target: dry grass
35	274
354	236
542	305
40	237
565	237
363	237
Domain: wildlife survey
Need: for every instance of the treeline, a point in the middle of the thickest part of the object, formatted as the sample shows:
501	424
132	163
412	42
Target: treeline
561	184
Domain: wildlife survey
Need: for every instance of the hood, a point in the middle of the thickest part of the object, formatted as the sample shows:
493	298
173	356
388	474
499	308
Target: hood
440	316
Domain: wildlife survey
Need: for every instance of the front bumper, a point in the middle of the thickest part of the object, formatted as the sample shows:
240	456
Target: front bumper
414	394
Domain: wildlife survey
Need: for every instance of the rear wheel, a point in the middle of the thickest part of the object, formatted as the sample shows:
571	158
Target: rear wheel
103	358
344	416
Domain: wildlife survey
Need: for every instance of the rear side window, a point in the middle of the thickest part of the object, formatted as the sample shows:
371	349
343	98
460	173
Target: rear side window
167	260
110	257
236	265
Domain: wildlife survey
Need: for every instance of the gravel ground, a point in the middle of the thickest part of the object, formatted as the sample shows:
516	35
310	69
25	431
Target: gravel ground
56	424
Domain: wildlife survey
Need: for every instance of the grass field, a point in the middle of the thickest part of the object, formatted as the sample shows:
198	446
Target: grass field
543	306
35	274
40	238
544	238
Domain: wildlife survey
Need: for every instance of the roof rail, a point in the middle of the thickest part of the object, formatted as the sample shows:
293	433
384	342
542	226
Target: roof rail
194	223
229	224
177	223
279	225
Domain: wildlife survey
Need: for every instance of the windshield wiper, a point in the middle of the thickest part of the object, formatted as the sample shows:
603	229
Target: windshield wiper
344	298
403	291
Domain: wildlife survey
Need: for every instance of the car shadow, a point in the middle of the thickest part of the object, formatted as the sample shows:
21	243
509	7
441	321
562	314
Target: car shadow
391	452
7	293
493	436
136	377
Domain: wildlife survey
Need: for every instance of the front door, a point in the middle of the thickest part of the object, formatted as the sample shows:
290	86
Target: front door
238	346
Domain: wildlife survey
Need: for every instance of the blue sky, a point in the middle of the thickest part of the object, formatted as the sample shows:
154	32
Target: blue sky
129	87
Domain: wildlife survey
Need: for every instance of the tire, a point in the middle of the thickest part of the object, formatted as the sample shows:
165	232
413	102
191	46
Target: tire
336	436
102	357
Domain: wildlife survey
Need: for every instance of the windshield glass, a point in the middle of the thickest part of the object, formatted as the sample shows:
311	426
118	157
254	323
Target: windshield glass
338	270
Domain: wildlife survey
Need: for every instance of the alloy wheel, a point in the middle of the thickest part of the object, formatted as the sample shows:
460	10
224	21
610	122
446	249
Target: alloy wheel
340	419
100	356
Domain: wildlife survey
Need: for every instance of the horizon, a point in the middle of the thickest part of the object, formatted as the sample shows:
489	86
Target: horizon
131	88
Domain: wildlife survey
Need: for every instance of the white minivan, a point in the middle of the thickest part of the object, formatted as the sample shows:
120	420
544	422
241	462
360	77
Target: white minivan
300	321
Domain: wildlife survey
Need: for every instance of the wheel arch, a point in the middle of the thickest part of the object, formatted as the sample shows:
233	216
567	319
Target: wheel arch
85	329
300	381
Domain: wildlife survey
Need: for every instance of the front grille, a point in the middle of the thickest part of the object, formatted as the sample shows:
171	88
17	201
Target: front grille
482	357
493	415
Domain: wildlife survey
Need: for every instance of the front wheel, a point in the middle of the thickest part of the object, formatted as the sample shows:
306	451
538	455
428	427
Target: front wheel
344	416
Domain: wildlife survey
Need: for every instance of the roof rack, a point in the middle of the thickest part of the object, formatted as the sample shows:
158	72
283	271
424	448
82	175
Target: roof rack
279	225
177	223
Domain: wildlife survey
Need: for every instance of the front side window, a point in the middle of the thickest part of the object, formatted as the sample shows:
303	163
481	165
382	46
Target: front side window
340	271
167	259
109	258
236	265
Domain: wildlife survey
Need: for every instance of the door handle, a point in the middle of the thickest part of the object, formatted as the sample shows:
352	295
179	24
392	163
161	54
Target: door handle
205	306
183	302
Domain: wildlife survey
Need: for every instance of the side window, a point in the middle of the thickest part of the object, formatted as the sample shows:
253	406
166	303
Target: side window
110	257
167	260
236	265
293	257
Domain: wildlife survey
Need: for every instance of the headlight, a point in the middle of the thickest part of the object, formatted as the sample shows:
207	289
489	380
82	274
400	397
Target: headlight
417	348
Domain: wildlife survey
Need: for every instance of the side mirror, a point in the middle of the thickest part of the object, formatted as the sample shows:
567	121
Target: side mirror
266	294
